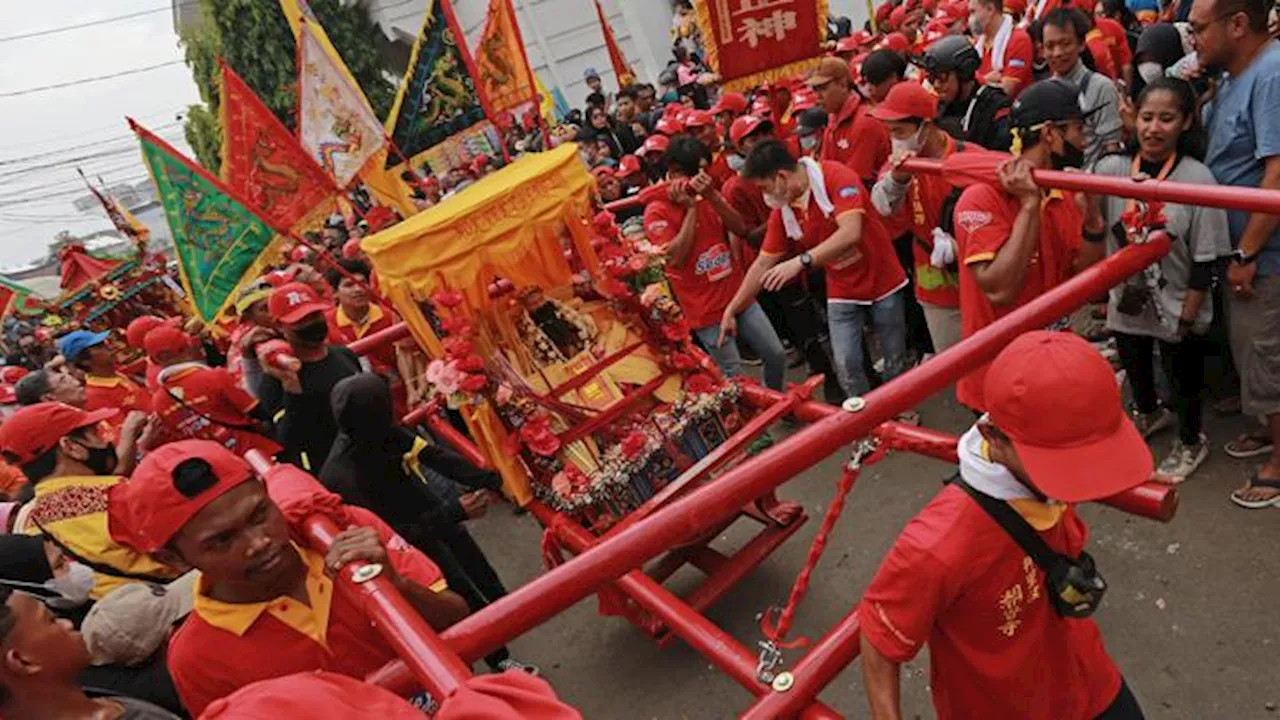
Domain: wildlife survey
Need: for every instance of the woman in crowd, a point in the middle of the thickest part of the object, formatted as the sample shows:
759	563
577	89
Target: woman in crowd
1168	307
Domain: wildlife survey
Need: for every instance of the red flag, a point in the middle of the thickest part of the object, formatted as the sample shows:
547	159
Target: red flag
263	163
626	76
750	42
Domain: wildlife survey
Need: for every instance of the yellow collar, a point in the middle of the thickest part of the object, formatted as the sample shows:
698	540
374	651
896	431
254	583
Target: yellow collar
375	314
106	382
1038	515
312	621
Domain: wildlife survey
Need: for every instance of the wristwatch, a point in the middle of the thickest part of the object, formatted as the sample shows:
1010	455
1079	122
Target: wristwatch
1239	257
806	259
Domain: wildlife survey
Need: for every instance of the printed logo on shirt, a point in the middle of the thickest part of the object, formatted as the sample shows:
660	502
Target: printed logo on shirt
973	220
1017	63
657	226
847	192
843	144
716	263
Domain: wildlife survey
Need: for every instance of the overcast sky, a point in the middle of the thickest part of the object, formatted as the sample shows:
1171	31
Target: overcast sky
64	125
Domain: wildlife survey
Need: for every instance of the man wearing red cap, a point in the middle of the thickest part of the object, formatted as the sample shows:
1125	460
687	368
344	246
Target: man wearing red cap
298	400
729	107
702	125
914	204
62	450
1005	639
264	606
194	400
135	333
853	137
1006	49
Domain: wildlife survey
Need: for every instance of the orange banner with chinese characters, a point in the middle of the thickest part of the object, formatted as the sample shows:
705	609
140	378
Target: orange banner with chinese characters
749	42
261	160
626	76
501	63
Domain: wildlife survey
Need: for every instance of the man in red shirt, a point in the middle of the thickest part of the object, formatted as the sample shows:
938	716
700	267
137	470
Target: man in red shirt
264	606
819	221
1014	242
693	224
853	137
999	647
103	386
195	401
356	315
135	333
914	203
1006	50
702	125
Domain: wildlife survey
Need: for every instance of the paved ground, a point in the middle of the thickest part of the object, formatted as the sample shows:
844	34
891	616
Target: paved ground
1190	616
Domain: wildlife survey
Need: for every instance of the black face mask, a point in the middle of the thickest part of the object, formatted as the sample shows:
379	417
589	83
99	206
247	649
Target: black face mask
312	332
101	460
1071	157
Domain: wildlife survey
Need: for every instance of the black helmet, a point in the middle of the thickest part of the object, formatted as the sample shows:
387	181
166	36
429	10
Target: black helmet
953	53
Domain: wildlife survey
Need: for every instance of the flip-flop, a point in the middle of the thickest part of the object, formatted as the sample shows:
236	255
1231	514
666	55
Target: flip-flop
1264	448
1255	481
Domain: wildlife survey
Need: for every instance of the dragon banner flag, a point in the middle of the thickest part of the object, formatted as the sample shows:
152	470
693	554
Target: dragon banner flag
218	241
501	61
750	42
626	76
262	162
335	123
123	220
438	97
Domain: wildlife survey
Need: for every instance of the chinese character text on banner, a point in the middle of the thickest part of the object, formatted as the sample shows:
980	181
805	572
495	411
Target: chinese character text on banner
754	41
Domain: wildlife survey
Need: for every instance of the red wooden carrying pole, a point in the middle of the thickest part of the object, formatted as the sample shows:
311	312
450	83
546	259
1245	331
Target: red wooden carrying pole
435	665
540	599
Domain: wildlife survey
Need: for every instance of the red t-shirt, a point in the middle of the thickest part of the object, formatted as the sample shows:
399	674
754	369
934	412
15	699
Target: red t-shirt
856	139
209	661
117	392
719	170
984	218
1100	48
867	273
342	331
1117	41
153	371
919	214
706	281
997	648
208	404
1018	57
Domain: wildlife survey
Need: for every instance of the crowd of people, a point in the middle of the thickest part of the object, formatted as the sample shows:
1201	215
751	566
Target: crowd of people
796	231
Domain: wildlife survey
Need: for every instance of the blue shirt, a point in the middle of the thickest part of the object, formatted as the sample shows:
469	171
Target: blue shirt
1243	132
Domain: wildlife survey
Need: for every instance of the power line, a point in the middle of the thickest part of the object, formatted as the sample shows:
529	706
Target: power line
84	81
90	23
96	143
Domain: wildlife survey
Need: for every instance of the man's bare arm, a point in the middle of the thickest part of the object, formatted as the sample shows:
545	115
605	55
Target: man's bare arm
882	678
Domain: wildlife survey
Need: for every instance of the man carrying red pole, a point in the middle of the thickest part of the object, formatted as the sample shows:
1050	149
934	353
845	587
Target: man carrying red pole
992	573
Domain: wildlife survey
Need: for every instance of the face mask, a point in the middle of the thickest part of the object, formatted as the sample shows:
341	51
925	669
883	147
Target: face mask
101	460
735	162
911	144
313	332
1071	157
1149	71
809	142
74	587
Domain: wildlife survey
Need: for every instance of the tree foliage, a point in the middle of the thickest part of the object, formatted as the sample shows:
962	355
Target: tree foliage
254	39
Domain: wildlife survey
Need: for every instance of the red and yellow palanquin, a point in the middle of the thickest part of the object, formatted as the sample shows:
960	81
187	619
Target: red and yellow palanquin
556	339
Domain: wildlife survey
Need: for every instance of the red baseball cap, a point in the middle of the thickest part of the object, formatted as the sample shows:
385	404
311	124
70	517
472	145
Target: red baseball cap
276	278
699	118
897	16
744	126
351	248
896	42
137	330
668	126
654	143
8	395
603	170
847	44
166	340
628	165
34	430
291	302
146	512
1058	401
733	102
12	373
907	100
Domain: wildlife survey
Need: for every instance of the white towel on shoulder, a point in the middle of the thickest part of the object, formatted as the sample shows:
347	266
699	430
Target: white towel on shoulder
817	186
999	44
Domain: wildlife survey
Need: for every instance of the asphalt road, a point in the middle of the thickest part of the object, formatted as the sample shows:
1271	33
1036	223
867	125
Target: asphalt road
1189	616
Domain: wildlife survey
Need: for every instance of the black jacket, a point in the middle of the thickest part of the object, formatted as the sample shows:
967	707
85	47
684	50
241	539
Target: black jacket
986	124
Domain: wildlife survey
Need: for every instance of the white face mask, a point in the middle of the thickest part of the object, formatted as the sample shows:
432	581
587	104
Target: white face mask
911	144
74	587
809	142
1149	71
735	162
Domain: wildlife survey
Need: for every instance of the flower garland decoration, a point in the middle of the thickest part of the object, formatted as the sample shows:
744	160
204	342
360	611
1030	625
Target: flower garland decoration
460	377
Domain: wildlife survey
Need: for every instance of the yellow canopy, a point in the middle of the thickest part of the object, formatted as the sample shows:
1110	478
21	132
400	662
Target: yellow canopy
508	224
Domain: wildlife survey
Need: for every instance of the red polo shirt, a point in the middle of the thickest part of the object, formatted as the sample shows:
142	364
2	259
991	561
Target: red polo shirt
1117	41
984	218
719	170
222	647
706	281
117	392
205	403
344	331
919	214
866	274
1100	48
1018	57
856	139
997	649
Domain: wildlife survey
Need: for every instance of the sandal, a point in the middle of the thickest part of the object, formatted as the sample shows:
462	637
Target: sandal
1251	444
1237	496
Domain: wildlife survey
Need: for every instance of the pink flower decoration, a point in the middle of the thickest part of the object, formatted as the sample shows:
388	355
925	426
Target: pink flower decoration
447	298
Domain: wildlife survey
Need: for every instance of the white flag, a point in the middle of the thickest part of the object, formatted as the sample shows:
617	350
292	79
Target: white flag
335	123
